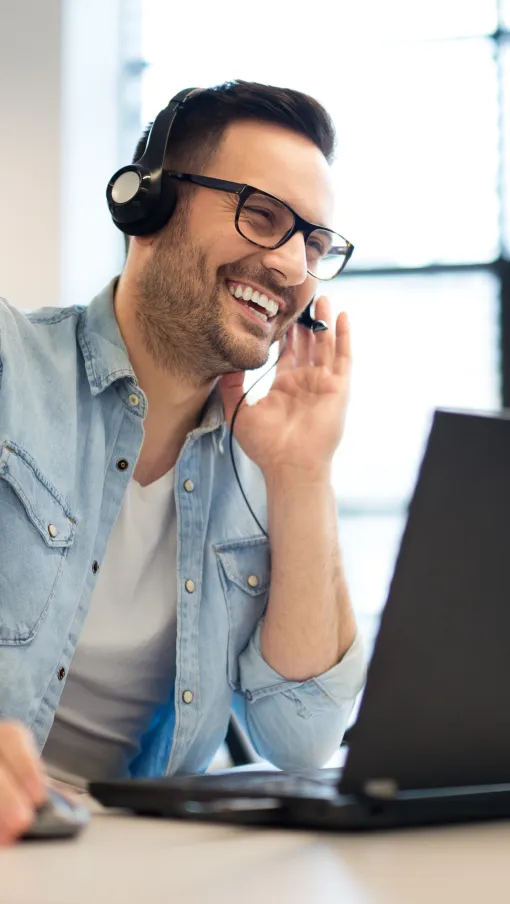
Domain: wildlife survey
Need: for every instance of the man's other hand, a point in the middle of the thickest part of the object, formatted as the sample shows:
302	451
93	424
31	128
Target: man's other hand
22	781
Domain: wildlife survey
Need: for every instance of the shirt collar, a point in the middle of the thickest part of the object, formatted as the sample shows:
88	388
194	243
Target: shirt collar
106	358
213	415
105	355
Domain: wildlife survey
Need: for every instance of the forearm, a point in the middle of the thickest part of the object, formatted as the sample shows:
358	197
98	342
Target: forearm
309	624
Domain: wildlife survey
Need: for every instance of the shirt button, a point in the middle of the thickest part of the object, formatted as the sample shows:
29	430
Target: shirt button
253	580
61	674
187	697
122	464
134	400
189	486
190	586
95	567
52	530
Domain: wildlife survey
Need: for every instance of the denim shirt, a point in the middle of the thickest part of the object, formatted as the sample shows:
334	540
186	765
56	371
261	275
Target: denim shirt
71	429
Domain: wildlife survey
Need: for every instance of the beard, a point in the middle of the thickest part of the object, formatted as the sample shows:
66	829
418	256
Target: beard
181	311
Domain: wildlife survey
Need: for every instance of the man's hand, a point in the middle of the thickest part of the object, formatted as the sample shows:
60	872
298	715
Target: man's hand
22	781
299	424
292	435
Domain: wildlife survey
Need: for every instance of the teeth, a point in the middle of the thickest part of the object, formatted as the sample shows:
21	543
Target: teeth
268	304
249	294
259	314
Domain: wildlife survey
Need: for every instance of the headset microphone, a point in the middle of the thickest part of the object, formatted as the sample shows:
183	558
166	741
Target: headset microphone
305	319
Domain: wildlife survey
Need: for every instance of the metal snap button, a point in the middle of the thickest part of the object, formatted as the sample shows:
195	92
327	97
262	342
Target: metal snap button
190	586
95	567
134	400
52	530
61	674
253	580
187	697
122	464
189	486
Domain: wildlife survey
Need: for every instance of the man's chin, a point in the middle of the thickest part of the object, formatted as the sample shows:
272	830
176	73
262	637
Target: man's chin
241	363
243	359
246	350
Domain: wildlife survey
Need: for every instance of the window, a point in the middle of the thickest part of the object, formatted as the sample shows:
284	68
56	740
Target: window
423	193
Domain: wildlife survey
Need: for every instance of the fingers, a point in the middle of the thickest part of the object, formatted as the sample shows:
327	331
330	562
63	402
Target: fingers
329	348
22	780
303	347
324	342
16	812
19	756
342	361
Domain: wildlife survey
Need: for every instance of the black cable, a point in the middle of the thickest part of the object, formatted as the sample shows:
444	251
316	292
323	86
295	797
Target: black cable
231	438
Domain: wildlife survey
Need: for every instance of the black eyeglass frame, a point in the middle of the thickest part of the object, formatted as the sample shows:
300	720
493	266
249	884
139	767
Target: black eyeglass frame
243	192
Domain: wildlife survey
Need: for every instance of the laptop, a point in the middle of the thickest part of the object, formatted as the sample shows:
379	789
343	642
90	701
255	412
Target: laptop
431	743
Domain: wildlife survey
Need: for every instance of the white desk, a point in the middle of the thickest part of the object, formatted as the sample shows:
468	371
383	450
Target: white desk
127	860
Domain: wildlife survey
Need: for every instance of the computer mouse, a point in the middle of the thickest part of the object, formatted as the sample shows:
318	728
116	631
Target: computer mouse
58	817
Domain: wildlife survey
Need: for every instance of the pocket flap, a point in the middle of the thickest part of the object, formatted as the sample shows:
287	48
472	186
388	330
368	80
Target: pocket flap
247	563
42	502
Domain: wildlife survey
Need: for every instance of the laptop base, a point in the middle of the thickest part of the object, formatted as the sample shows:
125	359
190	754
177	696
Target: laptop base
300	802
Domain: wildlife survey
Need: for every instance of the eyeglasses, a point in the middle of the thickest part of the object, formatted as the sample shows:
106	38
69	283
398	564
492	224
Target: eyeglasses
268	222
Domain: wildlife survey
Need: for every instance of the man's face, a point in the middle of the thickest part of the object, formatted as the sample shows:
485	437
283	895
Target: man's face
191	321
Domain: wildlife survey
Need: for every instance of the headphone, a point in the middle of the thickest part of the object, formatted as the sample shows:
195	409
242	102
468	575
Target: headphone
142	196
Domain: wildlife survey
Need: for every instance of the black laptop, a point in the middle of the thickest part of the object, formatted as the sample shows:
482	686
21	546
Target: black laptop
431	743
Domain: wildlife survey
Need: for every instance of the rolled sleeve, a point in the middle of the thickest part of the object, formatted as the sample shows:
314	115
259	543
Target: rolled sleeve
295	724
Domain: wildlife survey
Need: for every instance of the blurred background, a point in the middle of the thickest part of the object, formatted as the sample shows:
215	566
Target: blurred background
420	95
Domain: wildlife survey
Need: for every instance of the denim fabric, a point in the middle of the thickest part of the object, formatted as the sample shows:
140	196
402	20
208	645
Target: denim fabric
67	418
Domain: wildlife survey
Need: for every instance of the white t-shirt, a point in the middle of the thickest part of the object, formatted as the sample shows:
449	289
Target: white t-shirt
124	664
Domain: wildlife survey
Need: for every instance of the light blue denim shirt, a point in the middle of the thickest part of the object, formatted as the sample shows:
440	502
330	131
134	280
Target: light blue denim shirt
71	428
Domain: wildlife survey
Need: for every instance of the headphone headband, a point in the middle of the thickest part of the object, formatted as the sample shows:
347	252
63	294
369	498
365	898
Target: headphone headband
140	199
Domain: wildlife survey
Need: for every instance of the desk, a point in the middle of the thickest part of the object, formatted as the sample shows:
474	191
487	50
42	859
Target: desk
126	860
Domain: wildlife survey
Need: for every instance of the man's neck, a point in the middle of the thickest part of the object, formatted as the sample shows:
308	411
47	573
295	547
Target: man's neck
174	405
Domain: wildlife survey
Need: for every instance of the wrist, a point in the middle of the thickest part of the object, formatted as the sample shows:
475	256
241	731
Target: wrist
291	477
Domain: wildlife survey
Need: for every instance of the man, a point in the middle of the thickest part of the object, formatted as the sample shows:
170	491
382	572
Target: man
118	499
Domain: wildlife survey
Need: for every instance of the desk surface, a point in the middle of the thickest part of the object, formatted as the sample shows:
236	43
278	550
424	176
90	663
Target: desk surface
125	859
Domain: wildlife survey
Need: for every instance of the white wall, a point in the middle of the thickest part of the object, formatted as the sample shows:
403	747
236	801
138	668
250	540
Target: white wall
61	72
30	69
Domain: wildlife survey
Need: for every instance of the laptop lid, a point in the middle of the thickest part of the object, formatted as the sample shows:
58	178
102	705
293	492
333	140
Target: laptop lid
435	711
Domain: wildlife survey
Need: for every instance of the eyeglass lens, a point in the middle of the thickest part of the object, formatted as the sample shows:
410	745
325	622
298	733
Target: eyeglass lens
265	220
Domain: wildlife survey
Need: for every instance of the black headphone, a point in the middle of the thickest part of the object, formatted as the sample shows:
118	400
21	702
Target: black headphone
142	196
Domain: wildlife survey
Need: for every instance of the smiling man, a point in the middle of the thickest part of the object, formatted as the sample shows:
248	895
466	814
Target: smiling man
141	603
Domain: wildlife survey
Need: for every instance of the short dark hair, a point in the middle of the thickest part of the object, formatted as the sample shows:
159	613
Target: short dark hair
199	127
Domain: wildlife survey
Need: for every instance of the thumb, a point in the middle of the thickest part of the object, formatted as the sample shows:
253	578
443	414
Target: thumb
231	391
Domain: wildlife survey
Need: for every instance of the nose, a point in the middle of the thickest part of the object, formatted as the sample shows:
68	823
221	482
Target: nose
289	259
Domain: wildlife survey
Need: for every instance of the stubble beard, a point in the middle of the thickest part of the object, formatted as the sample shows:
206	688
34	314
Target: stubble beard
181	314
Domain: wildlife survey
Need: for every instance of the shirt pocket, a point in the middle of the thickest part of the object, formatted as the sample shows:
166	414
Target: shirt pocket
36	531
245	574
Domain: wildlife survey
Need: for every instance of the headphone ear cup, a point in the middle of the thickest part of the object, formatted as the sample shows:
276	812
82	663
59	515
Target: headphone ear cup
162	211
